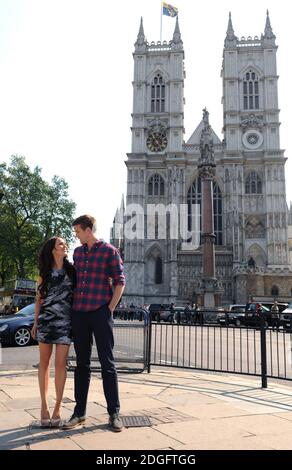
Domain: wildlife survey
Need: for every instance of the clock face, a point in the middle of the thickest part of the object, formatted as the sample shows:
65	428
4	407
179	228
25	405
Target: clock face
252	139
156	141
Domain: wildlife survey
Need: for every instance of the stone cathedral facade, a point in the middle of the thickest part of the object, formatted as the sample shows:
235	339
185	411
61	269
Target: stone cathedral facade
249	196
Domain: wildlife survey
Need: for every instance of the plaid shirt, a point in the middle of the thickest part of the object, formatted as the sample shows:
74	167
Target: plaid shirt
93	270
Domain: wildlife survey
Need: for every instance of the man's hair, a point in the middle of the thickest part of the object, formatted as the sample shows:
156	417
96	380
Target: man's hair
85	221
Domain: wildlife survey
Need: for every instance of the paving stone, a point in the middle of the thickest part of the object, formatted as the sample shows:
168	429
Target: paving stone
129	439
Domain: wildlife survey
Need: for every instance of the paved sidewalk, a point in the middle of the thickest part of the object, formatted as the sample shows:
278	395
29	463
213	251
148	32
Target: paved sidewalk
187	409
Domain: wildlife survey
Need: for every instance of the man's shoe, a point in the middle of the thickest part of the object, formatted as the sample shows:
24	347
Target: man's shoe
73	422
115	422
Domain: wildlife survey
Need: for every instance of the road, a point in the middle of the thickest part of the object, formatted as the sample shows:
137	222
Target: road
218	348
208	347
129	349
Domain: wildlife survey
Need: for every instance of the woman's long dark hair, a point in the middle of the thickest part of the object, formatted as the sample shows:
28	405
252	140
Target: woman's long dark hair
46	262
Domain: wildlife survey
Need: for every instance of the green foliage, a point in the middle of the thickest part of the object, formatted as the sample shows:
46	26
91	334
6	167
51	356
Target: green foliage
31	210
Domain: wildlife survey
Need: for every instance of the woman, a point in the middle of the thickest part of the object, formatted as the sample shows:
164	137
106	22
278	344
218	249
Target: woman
52	323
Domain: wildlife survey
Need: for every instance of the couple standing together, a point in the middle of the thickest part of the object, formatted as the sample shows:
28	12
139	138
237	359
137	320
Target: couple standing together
78	300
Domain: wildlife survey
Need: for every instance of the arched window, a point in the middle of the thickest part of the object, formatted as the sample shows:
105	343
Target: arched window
250	90
275	291
158	94
156	186
254	227
195	197
253	183
158	270
217	208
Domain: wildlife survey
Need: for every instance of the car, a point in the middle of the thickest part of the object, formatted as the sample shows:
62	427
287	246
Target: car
232	315
247	315
166	315
286	317
252	315
288	309
156	310
281	305
237	308
16	329
180	315
162	312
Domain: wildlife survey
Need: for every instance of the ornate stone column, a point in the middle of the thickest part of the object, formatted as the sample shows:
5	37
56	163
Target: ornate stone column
210	294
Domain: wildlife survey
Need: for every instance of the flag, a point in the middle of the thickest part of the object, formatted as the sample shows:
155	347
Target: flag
169	10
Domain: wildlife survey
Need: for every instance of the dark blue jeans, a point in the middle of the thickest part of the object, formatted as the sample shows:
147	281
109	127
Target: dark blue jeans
99	324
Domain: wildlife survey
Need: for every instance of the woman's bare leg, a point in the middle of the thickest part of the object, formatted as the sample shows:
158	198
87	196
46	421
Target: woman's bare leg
43	375
60	376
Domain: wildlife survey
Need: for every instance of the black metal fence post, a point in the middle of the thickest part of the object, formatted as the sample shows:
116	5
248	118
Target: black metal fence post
263	350
149	343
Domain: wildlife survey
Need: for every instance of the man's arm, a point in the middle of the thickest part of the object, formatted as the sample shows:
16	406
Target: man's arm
116	272
118	292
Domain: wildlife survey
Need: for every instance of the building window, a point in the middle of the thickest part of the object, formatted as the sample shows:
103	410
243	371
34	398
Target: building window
275	291
158	95
195	197
254	228
250	91
158	270
156	186
217	208
253	183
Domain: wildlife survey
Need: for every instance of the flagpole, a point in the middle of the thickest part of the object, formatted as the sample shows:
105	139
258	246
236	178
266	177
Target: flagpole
161	9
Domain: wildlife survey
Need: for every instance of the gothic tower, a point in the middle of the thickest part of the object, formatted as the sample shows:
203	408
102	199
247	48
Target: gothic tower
153	176
255	201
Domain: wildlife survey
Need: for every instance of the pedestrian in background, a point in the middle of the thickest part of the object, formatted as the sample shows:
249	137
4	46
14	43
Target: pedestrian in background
275	315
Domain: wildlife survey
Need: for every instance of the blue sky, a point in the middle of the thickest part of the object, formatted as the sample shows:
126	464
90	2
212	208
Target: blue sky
65	83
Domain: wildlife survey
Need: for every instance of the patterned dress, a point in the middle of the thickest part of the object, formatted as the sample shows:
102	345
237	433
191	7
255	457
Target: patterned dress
54	321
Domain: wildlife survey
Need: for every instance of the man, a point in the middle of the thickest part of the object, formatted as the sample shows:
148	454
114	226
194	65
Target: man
187	313
96	262
275	315
172	311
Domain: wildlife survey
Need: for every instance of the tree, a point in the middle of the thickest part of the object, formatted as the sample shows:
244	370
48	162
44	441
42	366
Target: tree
31	210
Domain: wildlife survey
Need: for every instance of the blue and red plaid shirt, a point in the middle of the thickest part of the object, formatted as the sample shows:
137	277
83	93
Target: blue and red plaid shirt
94	269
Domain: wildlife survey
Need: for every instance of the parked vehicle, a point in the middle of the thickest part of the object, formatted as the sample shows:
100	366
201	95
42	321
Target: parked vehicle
232	315
16	329
252	315
237	308
286	317
16	294
156	310
178	316
281	305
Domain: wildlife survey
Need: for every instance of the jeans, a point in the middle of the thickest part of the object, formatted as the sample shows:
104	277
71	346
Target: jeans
85	325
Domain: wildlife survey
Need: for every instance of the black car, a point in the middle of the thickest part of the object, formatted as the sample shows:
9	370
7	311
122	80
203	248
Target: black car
156	309
246	315
16	329
232	315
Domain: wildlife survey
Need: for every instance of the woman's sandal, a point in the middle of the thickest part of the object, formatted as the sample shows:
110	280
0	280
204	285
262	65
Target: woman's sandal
56	423
41	423
45	423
